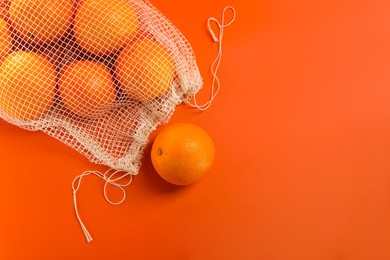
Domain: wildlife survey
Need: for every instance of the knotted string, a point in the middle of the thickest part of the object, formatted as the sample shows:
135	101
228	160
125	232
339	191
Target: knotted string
215	85
108	177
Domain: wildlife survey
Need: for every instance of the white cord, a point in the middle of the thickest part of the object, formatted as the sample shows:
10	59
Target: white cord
215	65
108	178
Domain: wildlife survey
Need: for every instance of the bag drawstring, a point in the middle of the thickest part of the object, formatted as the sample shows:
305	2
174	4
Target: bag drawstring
215	85
108	177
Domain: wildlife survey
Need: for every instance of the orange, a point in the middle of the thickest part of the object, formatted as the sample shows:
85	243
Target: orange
41	21
87	88
145	70
5	39
105	26
27	85
182	153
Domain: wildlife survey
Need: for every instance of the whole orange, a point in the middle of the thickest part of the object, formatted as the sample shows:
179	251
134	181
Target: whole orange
145	70
104	26
182	153
5	39
27	85
87	88
41	21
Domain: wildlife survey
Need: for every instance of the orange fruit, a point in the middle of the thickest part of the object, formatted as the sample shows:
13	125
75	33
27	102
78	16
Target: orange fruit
41	21
182	153
145	70
27	85
104	26
87	88
5	40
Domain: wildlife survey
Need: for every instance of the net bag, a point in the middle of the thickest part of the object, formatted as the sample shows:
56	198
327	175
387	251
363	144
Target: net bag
98	75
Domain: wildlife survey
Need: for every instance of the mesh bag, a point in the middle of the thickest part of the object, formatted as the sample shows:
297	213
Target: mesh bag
99	75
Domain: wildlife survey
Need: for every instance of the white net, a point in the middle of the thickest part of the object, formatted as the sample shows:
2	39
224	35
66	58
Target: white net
99	75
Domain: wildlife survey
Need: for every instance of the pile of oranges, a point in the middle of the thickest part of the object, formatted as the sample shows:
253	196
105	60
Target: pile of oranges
30	81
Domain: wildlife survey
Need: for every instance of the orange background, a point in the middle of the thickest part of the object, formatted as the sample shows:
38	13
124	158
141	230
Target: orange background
302	131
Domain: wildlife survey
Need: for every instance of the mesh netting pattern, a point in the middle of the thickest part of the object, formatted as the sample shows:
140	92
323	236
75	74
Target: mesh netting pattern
99	75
